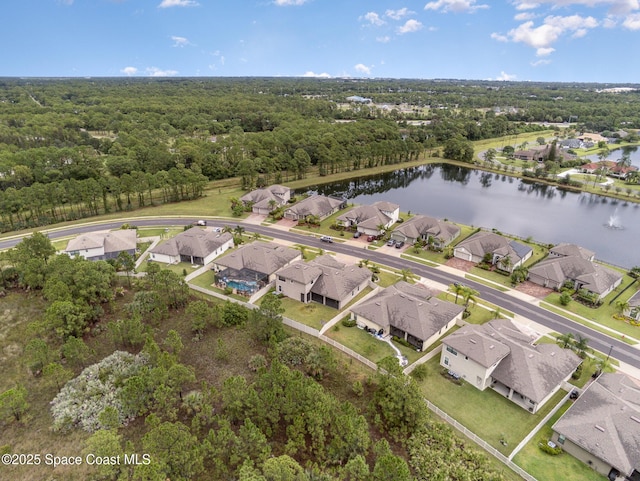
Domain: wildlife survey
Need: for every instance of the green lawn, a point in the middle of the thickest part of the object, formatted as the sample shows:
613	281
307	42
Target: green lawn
386	279
546	467
178	268
206	281
162	232
486	413
603	315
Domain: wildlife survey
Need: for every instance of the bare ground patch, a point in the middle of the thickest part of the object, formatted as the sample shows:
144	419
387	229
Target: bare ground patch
534	290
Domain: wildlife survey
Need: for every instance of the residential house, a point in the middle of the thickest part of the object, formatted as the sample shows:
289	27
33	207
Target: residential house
542	154
195	246
319	206
99	246
421	227
263	201
369	218
577	267
501	354
602	427
497	247
253	266
634	306
410	312
323	280
592	137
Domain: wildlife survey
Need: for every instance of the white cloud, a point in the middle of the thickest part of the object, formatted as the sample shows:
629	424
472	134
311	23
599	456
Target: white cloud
309	73
373	18
286	3
506	76
178	3
129	71
179	41
616	7
456	6
542	61
632	22
156	72
521	17
409	26
609	22
398	14
362	68
544	36
383	39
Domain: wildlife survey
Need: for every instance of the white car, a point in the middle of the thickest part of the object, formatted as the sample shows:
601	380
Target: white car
201	222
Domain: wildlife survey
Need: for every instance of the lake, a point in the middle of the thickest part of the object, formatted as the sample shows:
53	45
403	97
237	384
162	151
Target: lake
608	227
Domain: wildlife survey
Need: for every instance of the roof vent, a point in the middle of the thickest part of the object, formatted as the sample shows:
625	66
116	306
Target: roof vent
599	428
472	341
553	353
492	346
530	356
636	419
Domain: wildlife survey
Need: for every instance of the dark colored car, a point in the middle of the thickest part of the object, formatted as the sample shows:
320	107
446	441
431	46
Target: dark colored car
399	245
371	238
356	235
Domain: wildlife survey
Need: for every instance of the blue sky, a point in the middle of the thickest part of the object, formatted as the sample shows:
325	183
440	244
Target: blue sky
537	40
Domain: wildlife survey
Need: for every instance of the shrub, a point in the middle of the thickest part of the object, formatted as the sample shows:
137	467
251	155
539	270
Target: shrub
548	449
565	298
346	322
577	373
402	342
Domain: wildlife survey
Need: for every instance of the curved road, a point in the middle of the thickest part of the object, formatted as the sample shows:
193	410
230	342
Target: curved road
601	342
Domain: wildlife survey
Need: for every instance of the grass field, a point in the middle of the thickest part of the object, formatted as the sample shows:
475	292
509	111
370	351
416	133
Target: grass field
486	413
562	467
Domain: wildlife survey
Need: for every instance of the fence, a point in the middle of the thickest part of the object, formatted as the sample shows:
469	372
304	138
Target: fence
480	442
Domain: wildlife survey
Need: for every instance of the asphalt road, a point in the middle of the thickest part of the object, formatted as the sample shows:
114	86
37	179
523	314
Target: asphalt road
601	342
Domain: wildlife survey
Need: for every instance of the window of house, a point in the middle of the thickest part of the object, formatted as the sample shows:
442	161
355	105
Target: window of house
452	350
279	288
446	361
561	439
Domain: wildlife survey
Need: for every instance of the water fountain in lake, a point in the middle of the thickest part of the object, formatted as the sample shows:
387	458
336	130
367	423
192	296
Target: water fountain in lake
614	221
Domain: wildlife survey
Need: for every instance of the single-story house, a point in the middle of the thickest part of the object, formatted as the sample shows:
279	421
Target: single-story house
553	272
565	250
542	153
602	427
477	246
320	206
100	246
195	246
410	312
501	354
263	201
253	266
634	306
323	280
368	218
425	228
592	137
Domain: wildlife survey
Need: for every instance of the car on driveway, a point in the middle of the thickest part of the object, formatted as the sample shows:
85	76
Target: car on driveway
391	242
357	234
399	244
371	238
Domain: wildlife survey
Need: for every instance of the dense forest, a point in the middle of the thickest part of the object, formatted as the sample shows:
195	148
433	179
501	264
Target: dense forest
107	366
71	148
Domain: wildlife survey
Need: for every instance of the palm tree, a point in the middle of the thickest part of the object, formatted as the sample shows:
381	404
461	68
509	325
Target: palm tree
239	230
580	346
469	295
565	340
519	274
622	306
272	205
457	289
407	275
228	229
505	263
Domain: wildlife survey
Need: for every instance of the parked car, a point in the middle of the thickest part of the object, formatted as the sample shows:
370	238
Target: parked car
357	234
371	238
326	238
399	245
391	242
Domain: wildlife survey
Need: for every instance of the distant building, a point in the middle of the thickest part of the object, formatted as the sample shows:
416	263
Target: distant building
359	100
323	280
319	206
99	246
195	246
263	201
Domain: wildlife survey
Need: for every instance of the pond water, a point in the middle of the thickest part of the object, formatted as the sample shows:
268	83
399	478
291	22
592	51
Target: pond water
632	151
609	227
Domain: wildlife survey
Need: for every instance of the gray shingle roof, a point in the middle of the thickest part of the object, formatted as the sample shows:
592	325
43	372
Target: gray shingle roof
634	300
365	216
421	225
565	250
410	308
261	197
262	257
113	241
605	421
482	243
318	205
532	370
593	276
194	242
